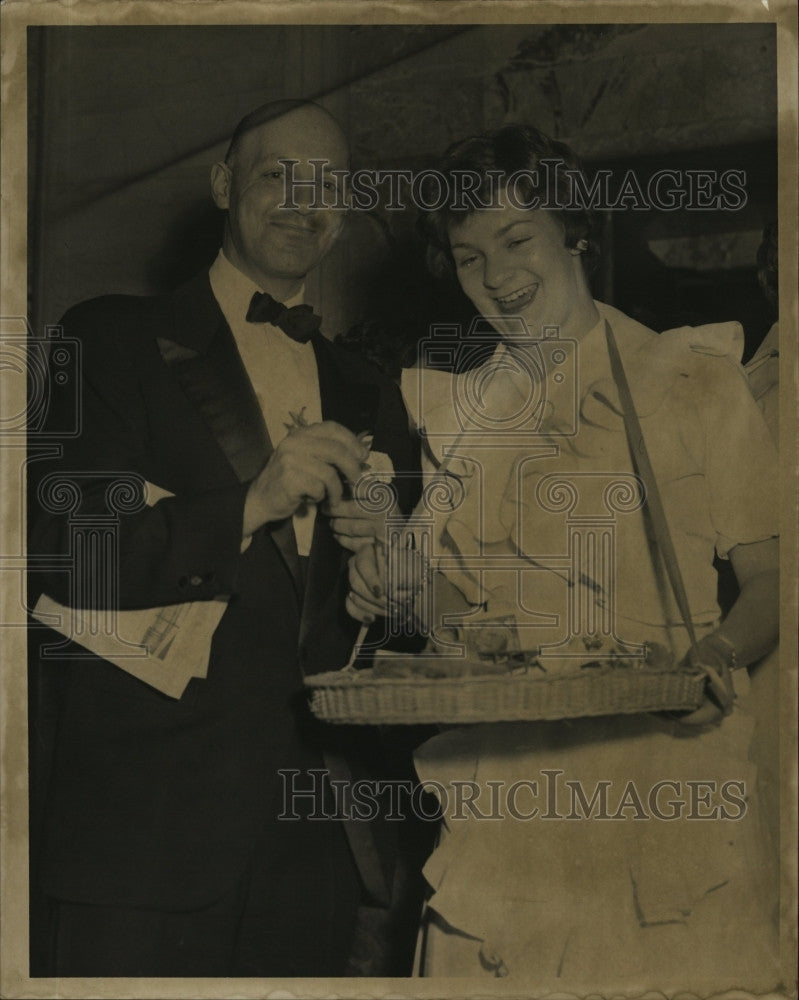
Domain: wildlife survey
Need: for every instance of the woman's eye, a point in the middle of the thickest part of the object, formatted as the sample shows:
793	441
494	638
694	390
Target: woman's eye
466	261
273	175
518	242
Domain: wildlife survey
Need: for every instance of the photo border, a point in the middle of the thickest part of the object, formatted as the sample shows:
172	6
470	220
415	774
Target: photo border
17	15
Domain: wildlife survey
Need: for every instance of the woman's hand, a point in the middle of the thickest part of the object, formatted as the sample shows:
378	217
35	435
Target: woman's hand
749	631
715	656
368	597
372	594
353	526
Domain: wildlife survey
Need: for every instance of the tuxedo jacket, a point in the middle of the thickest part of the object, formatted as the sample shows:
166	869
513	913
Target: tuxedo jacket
153	801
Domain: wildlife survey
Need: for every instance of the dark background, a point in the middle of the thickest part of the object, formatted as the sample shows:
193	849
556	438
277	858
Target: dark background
125	123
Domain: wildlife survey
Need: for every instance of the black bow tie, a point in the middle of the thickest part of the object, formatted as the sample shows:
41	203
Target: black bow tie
298	322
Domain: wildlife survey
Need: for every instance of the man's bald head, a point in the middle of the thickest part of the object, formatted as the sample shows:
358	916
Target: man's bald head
292	110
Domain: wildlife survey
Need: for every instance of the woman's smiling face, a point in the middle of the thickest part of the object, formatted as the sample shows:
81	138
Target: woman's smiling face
513	262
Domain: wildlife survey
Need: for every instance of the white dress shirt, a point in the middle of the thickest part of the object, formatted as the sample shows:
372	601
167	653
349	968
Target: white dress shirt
283	372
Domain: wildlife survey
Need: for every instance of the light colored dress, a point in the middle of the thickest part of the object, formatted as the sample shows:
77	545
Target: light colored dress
630	899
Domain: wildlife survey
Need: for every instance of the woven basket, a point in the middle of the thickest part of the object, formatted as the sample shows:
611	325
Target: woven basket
355	696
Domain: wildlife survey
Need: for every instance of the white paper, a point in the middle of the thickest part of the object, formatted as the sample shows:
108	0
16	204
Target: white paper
164	647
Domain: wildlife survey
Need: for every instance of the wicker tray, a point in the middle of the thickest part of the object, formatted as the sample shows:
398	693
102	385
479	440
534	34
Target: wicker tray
359	697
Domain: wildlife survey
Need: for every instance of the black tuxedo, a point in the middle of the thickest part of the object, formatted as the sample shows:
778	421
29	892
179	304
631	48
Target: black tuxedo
155	802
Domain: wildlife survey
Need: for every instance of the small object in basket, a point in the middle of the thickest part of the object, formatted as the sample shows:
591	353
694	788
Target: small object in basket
659	658
603	653
437	667
491	637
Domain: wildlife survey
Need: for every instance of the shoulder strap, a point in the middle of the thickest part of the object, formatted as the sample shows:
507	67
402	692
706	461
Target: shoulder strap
643	467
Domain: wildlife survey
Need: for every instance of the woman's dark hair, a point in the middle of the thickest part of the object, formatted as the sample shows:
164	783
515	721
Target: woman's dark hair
537	167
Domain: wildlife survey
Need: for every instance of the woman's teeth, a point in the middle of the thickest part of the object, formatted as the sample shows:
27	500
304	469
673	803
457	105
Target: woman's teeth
521	296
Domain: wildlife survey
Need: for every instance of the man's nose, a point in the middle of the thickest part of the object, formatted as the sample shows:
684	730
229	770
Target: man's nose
308	195
303	201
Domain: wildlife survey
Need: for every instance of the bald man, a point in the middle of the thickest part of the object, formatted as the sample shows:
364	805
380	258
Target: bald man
166	850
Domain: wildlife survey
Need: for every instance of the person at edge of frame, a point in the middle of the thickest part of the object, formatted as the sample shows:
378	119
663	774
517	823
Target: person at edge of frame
156	843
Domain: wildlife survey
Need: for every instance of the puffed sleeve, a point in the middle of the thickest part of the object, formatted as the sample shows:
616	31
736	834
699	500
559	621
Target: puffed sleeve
741	460
429	399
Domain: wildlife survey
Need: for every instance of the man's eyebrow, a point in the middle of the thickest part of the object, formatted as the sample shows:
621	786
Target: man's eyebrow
323	166
500	232
267	161
276	160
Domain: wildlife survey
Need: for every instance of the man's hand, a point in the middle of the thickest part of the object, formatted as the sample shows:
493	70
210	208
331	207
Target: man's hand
309	464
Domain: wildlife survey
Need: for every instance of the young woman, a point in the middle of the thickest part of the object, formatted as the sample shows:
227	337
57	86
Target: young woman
659	883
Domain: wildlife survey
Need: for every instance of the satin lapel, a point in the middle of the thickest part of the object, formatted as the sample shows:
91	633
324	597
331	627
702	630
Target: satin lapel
206	364
353	404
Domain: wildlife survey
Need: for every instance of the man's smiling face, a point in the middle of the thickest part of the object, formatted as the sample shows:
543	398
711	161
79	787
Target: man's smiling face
513	262
277	246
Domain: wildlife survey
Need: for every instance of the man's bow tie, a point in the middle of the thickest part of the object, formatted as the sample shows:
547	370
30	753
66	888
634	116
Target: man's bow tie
298	322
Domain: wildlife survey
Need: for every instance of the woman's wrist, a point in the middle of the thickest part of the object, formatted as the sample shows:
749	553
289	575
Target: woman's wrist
725	648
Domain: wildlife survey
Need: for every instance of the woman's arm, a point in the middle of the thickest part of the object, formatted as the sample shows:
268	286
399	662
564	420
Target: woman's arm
748	632
752	625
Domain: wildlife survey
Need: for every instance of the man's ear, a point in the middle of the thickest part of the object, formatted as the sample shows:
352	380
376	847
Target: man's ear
220	184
